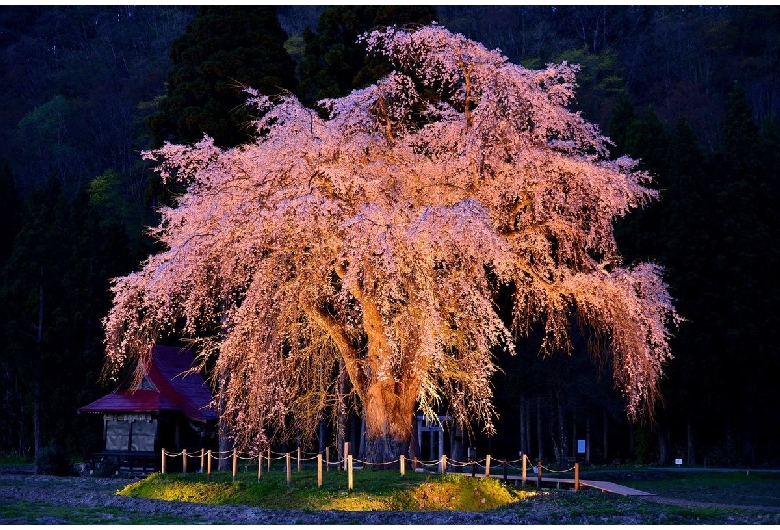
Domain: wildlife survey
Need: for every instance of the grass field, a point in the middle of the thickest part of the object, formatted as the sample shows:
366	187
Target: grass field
731	487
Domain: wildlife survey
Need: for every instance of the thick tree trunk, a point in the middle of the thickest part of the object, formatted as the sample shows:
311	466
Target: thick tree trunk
389	407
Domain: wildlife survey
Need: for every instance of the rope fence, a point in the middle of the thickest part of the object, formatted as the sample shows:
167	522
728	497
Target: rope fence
263	460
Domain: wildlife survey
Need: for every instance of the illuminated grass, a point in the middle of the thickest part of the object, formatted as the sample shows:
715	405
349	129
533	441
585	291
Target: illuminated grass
373	490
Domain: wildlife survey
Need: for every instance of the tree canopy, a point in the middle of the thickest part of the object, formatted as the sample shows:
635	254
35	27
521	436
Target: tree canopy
381	234
224	48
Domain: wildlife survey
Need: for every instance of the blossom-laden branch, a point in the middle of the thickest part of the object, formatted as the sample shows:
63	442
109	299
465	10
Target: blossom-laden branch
380	234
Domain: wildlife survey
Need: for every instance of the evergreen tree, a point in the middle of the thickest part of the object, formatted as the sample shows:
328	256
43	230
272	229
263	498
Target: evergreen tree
224	49
334	63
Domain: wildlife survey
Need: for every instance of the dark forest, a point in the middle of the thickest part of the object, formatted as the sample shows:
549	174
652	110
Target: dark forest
692	92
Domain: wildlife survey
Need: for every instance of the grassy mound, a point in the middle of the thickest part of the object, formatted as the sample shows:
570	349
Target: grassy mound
373	490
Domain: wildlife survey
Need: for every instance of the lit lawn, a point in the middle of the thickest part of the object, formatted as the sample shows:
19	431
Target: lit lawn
373	490
734	487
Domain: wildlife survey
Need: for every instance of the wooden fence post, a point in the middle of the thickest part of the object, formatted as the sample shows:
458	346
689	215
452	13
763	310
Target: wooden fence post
403	465
576	476
539	475
299	459
414	463
208	464
327	459
349	472
202	459
235	463
443	464
289	470
525	467
162	463
487	466
319	470
184	461
269	458
346	453
259	465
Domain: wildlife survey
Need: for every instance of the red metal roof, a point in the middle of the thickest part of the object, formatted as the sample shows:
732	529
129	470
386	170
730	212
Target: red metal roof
175	391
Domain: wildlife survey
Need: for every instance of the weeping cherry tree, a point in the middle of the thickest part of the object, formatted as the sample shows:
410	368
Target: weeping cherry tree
379	236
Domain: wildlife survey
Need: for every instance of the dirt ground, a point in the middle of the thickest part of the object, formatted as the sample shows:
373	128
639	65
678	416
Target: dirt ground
16	487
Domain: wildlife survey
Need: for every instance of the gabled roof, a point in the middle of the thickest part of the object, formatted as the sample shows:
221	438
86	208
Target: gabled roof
170	389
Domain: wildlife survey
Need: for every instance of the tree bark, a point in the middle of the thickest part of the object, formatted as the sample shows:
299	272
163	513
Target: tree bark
691	445
539	434
37	376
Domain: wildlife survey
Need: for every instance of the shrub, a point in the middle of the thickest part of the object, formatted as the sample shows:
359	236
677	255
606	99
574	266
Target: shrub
54	460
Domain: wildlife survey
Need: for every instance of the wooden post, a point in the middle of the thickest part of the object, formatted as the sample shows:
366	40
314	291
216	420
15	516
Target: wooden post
162	463
289	470
259	465
403	465
299	459
183	460
487	466
202	459
525	467
319	470
269	458
443	464
327	459
208	464
349	472
346	453
539	475
414	463
235	463
576	476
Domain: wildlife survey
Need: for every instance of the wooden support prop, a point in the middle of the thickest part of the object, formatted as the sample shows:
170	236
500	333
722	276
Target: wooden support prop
319	470
269	459
414	463
576	476
539	476
208	464
259	466
346	453
327	459
525	468
349	472
183	460
162	462
202	459
403	465
443	464
487	466
235	463
299	460
289	470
